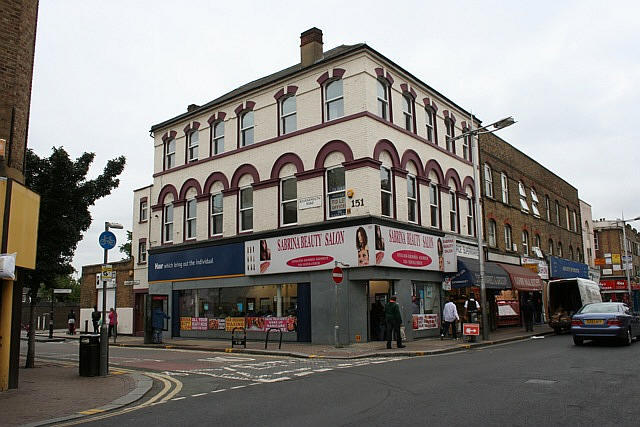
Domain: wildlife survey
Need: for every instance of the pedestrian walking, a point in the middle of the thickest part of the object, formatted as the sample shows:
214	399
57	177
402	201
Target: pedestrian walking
394	321
449	318
71	322
95	318
113	323
528	309
157	323
472	307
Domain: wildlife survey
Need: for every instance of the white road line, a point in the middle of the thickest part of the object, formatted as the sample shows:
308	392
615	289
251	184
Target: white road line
255	384
218	391
273	380
198	395
179	398
323	370
302	374
237	387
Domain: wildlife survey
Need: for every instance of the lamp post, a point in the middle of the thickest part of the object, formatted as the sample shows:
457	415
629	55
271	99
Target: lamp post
104	335
500	124
626	253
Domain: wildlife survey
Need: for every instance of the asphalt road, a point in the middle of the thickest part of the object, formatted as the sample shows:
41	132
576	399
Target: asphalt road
535	382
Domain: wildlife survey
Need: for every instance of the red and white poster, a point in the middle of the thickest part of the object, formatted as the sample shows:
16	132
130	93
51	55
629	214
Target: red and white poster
425	321
358	246
199	323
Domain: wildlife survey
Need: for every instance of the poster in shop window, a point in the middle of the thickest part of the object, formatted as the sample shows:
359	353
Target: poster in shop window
425	321
357	246
199	323
185	323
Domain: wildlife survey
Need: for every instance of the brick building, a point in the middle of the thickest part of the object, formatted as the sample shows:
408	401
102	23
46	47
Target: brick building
120	296
531	216
256	195
17	41
609	257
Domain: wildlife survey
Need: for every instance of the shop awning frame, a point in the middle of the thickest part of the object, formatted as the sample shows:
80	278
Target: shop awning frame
522	279
469	275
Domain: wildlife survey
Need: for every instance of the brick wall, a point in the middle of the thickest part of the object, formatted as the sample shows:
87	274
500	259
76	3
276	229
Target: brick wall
17	46
124	293
502	157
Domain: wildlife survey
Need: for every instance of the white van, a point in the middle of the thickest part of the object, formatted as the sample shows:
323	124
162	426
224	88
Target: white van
563	297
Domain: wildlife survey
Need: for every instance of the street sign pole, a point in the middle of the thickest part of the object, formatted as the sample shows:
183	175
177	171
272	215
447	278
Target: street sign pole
336	274
107	240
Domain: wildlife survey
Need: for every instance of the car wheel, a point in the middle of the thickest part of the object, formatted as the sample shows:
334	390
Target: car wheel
628	338
578	340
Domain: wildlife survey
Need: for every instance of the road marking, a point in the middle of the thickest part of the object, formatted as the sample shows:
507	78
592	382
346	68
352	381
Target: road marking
178	398
227	359
198	395
302	374
218	391
237	387
273	380
254	384
323	370
91	411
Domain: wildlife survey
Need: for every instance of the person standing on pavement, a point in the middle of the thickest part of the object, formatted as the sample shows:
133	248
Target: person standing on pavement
157	323
71	321
449	317
95	318
113	322
394	321
527	309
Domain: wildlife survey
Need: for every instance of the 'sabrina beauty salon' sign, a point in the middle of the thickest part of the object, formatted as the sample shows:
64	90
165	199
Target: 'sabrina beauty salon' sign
357	246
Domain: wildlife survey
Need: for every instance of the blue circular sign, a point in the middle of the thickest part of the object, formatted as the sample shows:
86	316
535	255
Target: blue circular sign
107	240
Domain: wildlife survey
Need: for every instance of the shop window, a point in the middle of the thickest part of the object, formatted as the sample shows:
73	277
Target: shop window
142	251
386	192
333	100
505	187
407	111
167	224
508	244
216	214
217	138
190	211
535	203
289	201
383	100
453	212
488	181
470	222
412	199
524	207
336	197
192	147
246	129
288	115
246	209
525	243
170	154
434	205
143	210
492	233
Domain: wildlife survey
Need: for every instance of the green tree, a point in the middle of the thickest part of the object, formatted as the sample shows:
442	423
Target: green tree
125	248
65	198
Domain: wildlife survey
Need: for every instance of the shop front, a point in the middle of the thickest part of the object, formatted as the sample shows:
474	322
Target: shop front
284	282
617	290
526	284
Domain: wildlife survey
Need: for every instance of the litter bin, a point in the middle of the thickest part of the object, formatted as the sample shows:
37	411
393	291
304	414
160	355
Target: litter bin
89	355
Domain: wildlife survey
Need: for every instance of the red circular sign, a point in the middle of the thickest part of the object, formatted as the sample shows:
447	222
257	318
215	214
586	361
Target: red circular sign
337	274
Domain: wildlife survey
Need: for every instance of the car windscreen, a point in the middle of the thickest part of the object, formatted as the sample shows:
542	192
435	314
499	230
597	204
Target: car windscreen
599	308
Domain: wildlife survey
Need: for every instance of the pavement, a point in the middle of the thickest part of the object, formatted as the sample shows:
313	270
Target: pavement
420	347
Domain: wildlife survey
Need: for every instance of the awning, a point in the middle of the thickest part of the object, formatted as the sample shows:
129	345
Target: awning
522	278
469	275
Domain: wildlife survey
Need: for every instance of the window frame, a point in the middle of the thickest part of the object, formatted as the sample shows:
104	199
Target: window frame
244	130
430	124
412	200
559	249
466	147
143	211
242	209
169	156
383	103
488	181
191	222
284	116
548	202
215	214
166	224
525	242
450	133
522	191
142	251
508	238
337	99
215	138
453	212
534	203
408	112
504	182
434	208
191	148
283	202
492	234
328	193
386	192
557	213
470	218
551	247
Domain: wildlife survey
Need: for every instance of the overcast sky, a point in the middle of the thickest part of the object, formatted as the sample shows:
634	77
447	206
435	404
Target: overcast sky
569	73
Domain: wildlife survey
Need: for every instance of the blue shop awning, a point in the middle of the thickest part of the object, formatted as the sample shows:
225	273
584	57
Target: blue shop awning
469	275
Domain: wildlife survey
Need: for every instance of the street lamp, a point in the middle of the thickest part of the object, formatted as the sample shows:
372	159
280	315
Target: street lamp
104	335
626	253
490	128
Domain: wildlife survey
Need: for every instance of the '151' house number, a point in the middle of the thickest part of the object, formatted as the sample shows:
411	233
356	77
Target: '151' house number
357	203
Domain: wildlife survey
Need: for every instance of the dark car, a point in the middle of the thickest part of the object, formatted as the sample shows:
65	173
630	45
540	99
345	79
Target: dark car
605	320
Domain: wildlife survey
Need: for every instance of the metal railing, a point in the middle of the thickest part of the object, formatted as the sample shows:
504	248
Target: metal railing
266	339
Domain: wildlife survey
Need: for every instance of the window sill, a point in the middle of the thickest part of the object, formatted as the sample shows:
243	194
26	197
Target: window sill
143	221
142	263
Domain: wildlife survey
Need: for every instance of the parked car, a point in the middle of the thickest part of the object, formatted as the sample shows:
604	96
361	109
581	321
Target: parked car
564	297
605	320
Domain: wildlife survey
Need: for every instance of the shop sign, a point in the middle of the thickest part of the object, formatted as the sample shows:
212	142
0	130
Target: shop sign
599	261
185	323
357	246
446	284
425	321
537	266
505	259
212	261
233	322
594	274
466	251
607	272
262	324
199	323
566	269
471	329
615	258
617	267
309	202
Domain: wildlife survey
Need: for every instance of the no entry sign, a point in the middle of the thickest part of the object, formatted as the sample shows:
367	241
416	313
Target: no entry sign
337	275
471	329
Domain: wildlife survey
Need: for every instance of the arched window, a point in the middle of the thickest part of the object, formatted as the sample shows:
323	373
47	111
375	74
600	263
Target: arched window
525	242
217	138
288	121
560	249
190	219
246	129
289	201
434	205
492	234
216	214
571	252
192	148
383	99
336	195
246	209
488	181
386	191
407	111
333	100
508	244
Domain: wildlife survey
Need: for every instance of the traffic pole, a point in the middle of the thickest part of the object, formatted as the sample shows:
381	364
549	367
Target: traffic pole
104	335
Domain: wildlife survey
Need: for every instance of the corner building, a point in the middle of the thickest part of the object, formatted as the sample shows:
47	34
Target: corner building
256	195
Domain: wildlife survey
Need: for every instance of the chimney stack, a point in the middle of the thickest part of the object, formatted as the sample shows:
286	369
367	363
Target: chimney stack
192	107
310	46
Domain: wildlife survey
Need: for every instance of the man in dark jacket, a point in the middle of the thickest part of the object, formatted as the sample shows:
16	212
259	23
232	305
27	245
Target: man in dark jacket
394	320
95	318
157	323
527	309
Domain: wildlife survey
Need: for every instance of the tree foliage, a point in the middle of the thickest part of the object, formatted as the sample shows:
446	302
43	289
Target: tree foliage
125	248
65	198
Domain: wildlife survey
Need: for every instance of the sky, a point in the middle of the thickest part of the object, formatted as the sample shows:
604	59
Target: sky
568	72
